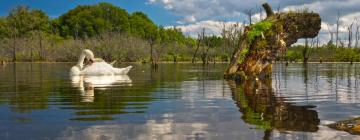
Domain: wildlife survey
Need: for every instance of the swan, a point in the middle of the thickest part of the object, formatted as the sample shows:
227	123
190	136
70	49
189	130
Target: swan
95	68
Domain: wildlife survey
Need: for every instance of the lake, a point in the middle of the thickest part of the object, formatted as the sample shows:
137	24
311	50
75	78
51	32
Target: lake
176	101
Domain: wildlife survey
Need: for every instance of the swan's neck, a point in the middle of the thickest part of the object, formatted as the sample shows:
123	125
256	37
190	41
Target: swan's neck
80	63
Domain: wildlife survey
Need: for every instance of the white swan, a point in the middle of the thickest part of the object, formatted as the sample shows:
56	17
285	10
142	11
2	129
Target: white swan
96	68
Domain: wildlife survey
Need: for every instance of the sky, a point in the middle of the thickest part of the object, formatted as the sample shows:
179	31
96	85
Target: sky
192	15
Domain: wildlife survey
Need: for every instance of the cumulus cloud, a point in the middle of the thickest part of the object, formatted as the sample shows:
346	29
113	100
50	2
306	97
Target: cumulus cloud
196	14
212	9
211	27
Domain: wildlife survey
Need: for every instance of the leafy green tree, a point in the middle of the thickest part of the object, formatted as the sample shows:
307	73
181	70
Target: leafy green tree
86	21
22	21
3	27
143	27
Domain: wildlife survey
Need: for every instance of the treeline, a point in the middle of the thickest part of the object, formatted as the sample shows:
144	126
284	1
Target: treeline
324	53
111	32
114	34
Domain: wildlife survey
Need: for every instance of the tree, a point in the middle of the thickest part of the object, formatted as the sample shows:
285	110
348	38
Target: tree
357	35
86	21
211	42
337	28
199	42
41	27
231	35
350	34
22	20
331	42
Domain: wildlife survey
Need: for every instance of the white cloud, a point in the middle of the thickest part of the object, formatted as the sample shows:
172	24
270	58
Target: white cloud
211	27
196	14
212	9
190	18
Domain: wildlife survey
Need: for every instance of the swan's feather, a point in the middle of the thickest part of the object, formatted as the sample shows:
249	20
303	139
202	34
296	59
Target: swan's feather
103	68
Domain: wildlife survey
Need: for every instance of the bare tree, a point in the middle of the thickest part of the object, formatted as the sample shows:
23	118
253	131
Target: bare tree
278	8
231	36
357	36
199	43
331	41
260	11
337	28
350	34
317	42
249	13
341	42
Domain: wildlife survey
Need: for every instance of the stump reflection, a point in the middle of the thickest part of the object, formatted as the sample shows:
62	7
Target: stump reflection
261	107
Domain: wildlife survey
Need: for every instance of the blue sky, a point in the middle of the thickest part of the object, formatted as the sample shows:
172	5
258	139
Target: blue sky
193	15
157	13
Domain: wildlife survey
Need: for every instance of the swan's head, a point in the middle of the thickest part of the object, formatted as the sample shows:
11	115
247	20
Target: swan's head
89	55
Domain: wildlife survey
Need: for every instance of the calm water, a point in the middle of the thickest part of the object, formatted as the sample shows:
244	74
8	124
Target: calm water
183	101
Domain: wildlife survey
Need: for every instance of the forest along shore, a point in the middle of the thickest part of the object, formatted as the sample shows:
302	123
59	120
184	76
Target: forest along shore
114	34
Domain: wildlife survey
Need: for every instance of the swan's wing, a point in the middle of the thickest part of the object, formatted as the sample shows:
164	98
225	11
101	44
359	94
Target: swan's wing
122	71
103	68
98	68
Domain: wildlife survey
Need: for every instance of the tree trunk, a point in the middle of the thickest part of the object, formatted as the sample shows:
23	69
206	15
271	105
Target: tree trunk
197	48
14	48
151	55
337	28
41	48
357	36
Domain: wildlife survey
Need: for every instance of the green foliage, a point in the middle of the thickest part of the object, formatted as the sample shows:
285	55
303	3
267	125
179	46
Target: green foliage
22	20
243	54
3	27
257	29
292	55
143	27
87	21
171	35
325	53
213	41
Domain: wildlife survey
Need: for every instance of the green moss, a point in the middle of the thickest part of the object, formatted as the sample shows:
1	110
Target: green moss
257	29
250	115
243	54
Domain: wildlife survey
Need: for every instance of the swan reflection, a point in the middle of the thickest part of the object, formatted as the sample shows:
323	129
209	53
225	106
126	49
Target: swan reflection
87	84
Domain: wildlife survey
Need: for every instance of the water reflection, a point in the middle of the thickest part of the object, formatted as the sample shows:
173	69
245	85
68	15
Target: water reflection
259	106
87	84
181	101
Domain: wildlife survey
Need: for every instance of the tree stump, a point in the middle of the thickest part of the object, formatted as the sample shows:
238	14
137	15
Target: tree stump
262	42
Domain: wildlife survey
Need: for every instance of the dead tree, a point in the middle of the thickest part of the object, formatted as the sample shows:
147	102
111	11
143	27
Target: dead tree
357	35
331	41
249	13
317	42
350	34
199	43
337	28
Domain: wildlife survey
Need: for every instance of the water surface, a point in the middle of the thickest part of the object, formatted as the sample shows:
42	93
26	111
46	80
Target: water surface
176	101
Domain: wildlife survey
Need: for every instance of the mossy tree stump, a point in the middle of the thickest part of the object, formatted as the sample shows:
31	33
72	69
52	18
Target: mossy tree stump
262	42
